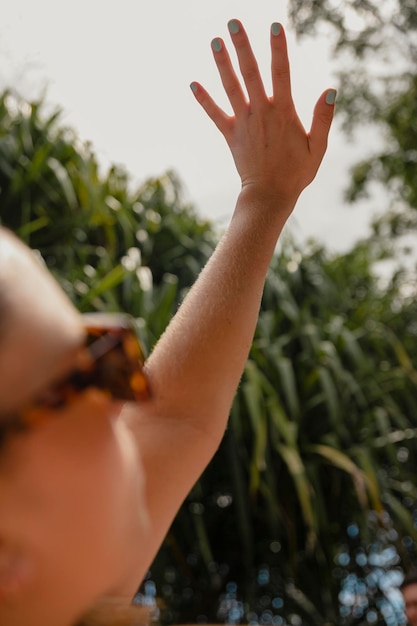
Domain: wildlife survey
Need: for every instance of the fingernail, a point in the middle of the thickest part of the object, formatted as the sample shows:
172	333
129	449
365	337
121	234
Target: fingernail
233	26
276	28
331	96
193	87
216	44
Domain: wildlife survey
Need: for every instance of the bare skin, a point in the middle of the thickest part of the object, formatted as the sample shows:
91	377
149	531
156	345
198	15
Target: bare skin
87	498
410	601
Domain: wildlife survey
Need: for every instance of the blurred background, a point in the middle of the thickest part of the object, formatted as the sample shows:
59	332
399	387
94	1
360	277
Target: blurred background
108	167
122	74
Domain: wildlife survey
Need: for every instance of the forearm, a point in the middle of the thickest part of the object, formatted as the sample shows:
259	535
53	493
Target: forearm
196	366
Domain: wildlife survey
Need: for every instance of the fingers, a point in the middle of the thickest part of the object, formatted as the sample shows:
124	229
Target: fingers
322	120
281	84
249	69
280	67
230	81
215	113
247	62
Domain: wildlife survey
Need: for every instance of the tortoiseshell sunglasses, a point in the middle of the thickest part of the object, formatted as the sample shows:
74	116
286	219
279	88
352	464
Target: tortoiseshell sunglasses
111	360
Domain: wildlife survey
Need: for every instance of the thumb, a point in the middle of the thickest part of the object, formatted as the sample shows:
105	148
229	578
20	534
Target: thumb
322	120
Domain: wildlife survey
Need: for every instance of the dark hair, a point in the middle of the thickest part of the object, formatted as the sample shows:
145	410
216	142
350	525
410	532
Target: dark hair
409	579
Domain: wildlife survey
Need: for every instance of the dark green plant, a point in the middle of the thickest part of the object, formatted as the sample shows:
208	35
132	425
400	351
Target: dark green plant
374	45
110	246
314	481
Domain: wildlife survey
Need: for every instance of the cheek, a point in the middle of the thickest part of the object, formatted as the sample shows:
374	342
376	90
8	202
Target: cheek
80	490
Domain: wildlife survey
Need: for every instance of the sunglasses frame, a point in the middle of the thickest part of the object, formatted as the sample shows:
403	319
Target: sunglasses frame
111	360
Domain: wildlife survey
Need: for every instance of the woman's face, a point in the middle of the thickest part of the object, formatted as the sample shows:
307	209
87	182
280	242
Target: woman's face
70	489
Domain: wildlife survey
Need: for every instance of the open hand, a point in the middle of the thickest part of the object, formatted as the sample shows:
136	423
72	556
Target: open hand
272	151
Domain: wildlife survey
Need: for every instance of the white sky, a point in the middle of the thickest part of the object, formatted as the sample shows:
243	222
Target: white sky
121	72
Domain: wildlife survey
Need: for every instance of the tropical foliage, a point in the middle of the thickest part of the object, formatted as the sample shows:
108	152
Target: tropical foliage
313	487
375	51
310	499
109	246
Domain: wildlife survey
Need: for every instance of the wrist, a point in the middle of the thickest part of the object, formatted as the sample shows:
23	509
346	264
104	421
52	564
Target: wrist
262	203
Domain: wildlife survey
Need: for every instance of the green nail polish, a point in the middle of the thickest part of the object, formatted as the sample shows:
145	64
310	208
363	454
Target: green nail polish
276	28
216	44
193	87
331	96
233	26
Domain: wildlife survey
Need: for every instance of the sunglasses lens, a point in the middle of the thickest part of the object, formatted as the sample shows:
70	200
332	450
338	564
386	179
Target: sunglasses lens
114	363
112	360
